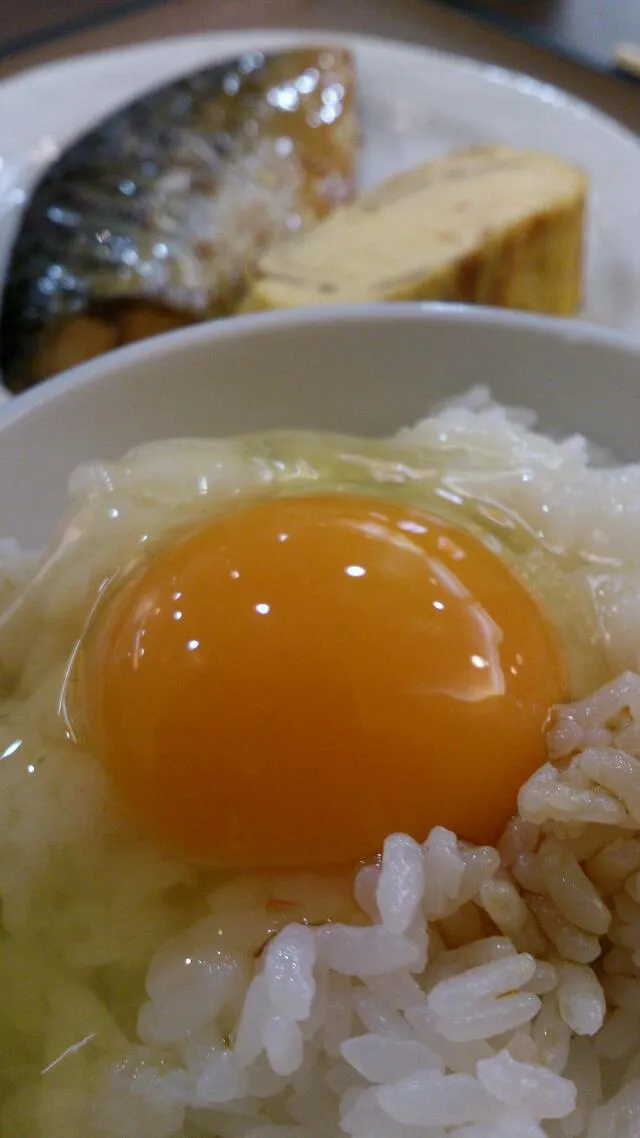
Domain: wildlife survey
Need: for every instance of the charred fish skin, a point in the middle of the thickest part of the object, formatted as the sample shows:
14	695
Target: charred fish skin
153	218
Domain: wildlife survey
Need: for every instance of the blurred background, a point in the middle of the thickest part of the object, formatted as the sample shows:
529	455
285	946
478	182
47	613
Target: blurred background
590	48
591	30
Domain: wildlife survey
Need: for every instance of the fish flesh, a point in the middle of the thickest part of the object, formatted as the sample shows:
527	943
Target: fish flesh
154	218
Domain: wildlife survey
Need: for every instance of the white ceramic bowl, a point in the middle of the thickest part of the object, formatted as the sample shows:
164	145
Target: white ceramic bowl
367	370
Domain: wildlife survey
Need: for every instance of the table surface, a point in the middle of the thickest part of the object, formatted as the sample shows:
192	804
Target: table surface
591	29
417	21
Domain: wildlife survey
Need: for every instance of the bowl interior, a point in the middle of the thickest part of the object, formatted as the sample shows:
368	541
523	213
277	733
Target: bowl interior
367	371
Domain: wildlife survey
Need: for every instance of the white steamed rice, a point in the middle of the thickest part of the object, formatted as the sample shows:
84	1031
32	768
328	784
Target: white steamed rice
472	992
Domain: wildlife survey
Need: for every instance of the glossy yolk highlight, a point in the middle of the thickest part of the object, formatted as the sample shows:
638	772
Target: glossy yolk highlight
296	680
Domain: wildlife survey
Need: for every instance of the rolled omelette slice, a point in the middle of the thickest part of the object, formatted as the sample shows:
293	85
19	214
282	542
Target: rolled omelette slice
487	225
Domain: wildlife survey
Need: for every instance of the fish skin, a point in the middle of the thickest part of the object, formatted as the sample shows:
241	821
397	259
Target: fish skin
153	218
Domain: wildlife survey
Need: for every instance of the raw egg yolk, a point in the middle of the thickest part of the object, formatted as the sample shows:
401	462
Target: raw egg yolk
293	681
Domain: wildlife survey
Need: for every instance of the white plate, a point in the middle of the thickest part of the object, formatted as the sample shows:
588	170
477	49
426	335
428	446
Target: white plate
415	104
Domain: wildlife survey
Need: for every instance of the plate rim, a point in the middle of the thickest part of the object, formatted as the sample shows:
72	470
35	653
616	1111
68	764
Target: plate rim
496	75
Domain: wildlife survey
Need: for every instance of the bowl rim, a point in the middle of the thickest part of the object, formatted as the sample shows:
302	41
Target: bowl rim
264	325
